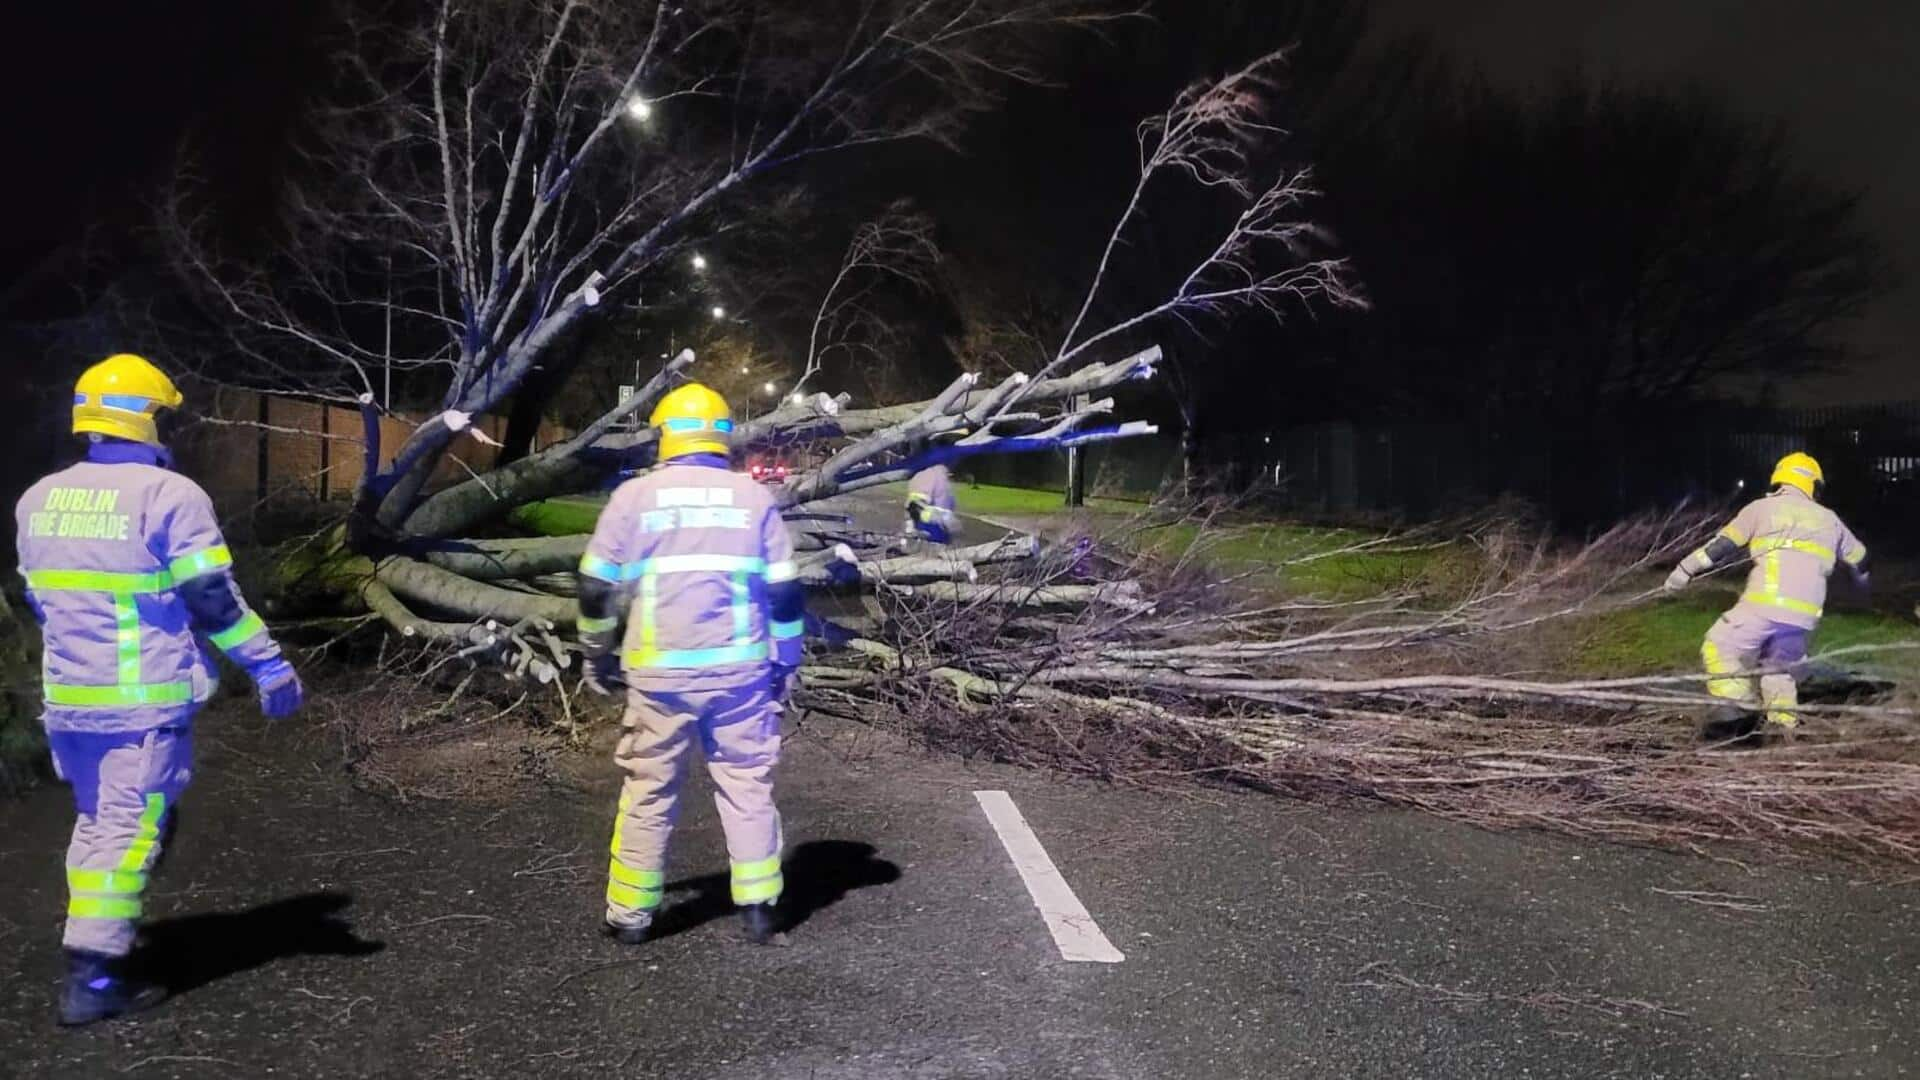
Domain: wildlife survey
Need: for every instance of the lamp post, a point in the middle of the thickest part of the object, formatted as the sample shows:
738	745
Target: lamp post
1076	493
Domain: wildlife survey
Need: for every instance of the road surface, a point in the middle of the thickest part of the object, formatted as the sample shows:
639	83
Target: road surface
316	929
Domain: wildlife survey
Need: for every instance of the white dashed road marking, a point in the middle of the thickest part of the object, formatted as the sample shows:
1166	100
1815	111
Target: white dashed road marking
1073	929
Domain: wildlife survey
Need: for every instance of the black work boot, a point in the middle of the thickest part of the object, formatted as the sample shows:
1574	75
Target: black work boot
1729	725
762	924
630	933
98	988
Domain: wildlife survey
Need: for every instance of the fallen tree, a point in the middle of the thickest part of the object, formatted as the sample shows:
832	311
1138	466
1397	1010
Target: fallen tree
1393	697
485	160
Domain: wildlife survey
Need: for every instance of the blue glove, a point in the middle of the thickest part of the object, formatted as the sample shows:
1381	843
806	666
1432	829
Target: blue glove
281	694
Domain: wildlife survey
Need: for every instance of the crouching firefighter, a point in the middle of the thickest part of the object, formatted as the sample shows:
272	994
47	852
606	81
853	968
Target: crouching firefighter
930	505
1795	543
698	559
129	578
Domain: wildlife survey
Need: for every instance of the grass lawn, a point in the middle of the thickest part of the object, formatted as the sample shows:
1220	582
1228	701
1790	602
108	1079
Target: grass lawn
559	517
992	499
1302	556
1310	561
1665	635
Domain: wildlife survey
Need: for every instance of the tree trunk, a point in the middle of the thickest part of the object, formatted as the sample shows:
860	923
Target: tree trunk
536	393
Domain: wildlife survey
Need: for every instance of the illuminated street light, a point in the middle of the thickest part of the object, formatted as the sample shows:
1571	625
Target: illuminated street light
719	312
745	370
639	109
699	262
798	399
770	389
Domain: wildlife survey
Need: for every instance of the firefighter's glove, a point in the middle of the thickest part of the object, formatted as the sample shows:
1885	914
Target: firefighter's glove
1678	580
281	694
603	674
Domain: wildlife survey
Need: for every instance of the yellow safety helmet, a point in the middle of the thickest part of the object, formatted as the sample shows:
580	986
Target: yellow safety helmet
119	396
692	420
1798	470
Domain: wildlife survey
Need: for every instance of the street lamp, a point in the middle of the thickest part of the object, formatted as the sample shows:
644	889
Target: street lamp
639	109
719	312
699	261
769	389
797	399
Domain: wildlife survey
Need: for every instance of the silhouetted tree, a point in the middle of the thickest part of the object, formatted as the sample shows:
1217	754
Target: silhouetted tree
1593	249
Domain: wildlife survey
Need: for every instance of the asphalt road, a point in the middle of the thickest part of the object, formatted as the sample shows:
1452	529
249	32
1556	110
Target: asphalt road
314	929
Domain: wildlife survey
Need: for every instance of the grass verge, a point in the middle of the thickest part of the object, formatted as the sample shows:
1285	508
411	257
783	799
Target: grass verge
558	517
992	499
1305	560
1324	563
1665	635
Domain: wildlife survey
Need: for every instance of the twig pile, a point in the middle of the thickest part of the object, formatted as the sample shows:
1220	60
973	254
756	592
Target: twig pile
1134	670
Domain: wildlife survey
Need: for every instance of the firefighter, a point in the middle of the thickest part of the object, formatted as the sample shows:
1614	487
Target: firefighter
129	578
1794	543
698	559
930	505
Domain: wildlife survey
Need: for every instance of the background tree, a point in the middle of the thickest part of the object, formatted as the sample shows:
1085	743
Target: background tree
1548	263
1594	248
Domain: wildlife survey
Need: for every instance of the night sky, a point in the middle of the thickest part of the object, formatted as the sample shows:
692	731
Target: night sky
1842	75
99	94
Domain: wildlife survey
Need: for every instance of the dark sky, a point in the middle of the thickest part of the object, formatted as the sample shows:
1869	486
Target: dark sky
1843	74
97	98
97	95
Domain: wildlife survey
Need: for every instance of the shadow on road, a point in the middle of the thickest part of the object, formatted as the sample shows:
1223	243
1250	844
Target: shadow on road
191	951
818	875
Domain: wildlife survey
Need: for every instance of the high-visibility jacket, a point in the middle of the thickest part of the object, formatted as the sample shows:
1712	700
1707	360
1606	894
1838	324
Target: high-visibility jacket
931	490
1795	543
705	570
104	547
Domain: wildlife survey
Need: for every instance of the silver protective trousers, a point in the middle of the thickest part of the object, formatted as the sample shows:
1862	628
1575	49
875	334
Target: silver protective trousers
739	733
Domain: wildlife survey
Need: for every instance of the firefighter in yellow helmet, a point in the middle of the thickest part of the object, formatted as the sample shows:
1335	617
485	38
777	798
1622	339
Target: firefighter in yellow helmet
1794	543
129	578
698	559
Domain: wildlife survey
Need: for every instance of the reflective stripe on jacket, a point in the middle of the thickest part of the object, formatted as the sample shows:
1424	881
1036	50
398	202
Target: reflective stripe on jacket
1794	543
102	547
694	549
